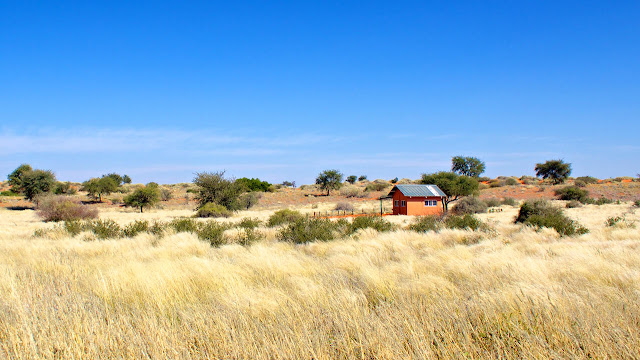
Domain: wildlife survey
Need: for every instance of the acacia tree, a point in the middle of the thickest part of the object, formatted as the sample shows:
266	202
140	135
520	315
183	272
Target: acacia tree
556	170
146	196
351	179
329	180
215	188
467	166
15	178
36	182
453	185
97	187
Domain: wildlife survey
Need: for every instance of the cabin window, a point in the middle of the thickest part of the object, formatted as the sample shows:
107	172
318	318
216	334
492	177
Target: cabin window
395	203
430	203
404	203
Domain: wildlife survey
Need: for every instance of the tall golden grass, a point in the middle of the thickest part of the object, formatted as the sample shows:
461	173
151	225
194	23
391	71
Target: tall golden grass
517	293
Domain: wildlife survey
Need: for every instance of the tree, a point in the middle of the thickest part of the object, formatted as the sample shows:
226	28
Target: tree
146	196
556	170
254	184
454	186
15	178
97	187
36	182
215	188
467	166
329	180
362	177
126	179
352	179
116	177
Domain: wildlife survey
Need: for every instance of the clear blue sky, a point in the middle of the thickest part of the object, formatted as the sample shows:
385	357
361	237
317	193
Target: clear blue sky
282	90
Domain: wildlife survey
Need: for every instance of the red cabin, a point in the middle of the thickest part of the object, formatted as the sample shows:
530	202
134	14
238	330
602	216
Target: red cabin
409	199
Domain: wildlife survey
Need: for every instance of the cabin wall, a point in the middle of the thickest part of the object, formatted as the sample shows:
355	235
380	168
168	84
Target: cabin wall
415	206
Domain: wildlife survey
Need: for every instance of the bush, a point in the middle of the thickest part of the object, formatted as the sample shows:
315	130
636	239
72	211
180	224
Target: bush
343	205
9	193
426	223
580	183
104	229
636	203
492	202
466	222
587	179
212	210
496	183
249	199
63	208
249	223
572	193
573	204
136	227
362	178
376	186
350	192
254	184
601	201
284	216
64	188
306	230
511	182
374	222
619	220
509	201
539	213
469	205
211	232
184	225
165	194
73	227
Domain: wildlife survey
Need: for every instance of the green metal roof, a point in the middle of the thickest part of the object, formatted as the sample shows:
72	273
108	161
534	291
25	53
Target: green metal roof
417	190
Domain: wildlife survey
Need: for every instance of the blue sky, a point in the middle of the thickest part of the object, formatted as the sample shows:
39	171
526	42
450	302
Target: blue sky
282	90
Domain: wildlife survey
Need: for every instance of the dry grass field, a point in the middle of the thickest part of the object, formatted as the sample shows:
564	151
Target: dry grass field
511	292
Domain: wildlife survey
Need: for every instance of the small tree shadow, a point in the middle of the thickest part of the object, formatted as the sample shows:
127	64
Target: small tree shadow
90	202
20	208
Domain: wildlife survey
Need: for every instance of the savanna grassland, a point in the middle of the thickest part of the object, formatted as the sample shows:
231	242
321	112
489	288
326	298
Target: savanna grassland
507	291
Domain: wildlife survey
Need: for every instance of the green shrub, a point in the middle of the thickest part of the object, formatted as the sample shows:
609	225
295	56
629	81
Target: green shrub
374	222
572	193
511	182
73	227
587	179
284	216
61	208
469	205
496	183
211	232
254	184
539	213
580	183
492	202
466	222
601	201
184	225
249	223
636	203
134	228
376	186
509	201
157	228
212	210
64	188
306	230
426	223
104	229
573	204
350	191
9	193
249	199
